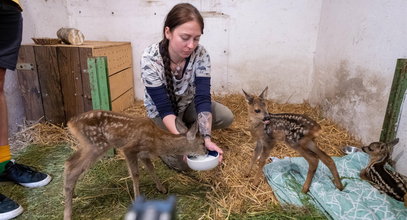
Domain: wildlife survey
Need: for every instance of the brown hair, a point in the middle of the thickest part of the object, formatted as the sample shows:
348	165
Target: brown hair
179	14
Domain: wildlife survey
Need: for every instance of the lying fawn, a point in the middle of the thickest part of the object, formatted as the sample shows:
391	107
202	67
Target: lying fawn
136	137
297	131
385	180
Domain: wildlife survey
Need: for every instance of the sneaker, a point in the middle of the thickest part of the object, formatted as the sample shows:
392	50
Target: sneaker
24	175
8	208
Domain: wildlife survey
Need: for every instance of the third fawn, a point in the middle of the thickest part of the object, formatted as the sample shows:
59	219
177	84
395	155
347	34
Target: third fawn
297	131
136	137
385	180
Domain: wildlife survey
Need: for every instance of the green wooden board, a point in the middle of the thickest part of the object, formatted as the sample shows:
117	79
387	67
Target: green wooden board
99	83
398	89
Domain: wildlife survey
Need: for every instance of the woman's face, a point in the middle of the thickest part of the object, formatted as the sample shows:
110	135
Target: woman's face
183	40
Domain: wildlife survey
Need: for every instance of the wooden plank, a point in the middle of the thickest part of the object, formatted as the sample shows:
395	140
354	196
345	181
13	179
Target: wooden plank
124	101
120	82
398	89
84	54
29	85
49	78
103	83
118	57
71	80
94	85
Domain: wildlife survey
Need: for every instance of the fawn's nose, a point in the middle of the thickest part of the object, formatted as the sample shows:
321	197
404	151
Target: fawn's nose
257	110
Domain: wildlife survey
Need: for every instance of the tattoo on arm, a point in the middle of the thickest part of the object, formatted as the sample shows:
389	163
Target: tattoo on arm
205	123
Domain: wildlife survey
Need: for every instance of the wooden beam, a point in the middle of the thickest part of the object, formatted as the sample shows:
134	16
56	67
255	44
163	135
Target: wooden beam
397	93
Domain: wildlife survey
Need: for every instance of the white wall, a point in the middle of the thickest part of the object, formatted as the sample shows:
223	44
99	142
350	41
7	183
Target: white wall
252	43
357	48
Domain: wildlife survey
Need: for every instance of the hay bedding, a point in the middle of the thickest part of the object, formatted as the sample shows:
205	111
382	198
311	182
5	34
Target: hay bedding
231	191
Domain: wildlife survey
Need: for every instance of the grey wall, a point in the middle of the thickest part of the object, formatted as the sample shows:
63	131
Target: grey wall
357	48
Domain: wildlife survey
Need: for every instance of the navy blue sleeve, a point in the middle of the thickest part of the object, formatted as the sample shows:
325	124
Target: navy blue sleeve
161	100
203	101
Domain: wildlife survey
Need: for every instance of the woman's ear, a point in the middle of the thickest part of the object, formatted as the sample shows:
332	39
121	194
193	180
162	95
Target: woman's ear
167	33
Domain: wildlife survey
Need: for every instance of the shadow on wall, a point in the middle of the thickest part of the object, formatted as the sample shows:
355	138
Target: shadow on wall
357	100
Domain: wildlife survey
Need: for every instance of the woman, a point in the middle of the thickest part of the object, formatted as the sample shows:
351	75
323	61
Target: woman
176	76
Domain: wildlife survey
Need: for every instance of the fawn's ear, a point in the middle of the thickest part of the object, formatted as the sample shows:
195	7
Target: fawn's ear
249	98
181	127
264	93
191	133
392	143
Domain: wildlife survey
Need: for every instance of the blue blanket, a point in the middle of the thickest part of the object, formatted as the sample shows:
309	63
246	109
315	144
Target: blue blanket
359	200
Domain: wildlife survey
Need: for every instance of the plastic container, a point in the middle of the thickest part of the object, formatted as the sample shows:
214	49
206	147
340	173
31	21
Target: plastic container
203	162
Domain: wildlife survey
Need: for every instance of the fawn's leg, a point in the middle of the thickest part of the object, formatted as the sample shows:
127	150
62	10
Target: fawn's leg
405	200
132	166
328	161
312	166
268	146
257	151
78	163
150	168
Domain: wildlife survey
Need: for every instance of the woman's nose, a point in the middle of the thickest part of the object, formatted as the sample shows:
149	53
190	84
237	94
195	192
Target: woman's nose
191	44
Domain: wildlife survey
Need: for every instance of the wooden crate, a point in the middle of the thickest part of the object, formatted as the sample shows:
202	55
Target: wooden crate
55	84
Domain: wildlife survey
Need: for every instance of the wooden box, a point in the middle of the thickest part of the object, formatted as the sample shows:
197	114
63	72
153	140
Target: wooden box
55	84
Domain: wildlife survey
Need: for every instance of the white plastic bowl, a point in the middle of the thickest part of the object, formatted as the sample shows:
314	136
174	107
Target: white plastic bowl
203	162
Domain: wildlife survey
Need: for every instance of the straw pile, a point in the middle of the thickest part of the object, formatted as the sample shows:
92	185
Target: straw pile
231	191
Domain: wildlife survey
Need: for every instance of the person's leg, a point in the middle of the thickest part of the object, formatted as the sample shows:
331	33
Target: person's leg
175	162
5	155
11	27
222	116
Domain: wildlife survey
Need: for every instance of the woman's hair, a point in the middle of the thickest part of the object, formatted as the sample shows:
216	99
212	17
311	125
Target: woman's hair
179	14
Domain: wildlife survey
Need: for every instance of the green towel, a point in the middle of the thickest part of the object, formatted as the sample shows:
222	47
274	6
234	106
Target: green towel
359	200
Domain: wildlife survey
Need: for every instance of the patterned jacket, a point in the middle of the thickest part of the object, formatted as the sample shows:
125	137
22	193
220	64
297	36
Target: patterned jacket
193	86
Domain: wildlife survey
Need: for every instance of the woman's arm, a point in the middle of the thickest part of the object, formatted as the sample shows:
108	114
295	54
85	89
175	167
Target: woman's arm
169	122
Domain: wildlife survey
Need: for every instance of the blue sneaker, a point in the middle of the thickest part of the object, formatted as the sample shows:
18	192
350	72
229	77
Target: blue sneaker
8	208
24	175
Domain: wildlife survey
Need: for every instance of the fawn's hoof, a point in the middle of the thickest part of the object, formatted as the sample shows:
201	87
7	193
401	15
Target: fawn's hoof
339	186
305	190
162	189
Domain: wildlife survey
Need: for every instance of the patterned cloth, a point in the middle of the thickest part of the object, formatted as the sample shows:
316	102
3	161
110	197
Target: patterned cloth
359	200
152	75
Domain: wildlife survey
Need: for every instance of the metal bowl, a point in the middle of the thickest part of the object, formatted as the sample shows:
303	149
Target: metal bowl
350	149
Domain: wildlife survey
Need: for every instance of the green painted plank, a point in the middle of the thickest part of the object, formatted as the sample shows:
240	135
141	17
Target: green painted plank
94	85
398	89
103	83
99	83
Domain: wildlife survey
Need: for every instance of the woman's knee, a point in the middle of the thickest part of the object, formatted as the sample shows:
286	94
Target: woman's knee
223	116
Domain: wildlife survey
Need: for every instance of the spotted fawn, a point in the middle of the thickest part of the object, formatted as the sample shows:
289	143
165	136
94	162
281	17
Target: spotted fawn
136	137
385	180
295	130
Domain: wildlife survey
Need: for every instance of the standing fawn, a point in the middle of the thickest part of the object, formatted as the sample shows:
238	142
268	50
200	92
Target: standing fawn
136	137
295	130
385	180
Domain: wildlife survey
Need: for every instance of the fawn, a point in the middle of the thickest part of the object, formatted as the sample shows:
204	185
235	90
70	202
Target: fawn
297	131
385	180
137	137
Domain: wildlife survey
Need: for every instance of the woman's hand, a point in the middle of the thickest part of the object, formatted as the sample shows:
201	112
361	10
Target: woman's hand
213	147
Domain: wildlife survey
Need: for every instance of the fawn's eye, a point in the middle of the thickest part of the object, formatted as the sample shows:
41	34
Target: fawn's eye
257	110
